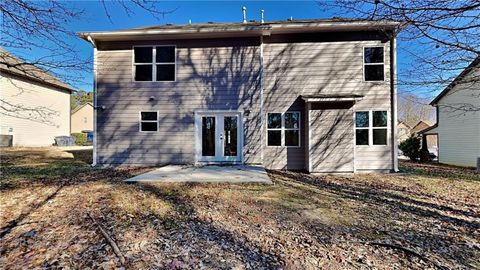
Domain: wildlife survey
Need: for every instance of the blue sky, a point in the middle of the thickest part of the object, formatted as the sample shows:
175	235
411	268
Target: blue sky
196	11
95	19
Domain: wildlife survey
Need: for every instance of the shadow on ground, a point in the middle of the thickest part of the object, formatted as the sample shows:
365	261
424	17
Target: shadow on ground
300	222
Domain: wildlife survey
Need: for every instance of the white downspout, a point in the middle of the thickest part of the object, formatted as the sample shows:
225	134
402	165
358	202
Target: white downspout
262	115
94	159
393	66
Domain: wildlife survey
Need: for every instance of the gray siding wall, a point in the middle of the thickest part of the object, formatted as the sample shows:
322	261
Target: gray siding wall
330	144
224	74
322	64
221	74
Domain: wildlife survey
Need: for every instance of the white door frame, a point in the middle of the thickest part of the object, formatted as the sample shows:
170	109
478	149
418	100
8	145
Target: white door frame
218	158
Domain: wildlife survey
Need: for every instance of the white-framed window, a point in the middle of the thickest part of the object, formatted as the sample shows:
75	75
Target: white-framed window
371	127
154	63
148	121
283	129
373	64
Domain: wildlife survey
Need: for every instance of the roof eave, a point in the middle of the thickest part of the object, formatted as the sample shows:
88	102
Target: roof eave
462	74
163	33
241	30
429	129
335	26
71	90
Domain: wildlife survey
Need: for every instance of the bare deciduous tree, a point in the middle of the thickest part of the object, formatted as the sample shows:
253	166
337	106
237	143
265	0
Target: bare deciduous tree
43	27
439	37
40	34
412	108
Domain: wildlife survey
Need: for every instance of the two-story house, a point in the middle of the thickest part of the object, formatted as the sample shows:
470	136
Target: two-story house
458	119
315	95
34	104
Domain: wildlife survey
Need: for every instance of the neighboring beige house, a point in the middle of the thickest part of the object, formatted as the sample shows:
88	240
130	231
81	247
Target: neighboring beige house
35	106
458	119
314	95
82	118
432	143
419	126
403	131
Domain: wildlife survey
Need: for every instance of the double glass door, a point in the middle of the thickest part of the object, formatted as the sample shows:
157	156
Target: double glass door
219	137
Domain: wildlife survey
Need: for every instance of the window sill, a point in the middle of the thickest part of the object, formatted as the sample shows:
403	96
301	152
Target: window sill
277	146
370	146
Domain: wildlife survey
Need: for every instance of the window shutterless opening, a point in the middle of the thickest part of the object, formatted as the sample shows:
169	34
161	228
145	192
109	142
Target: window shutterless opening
371	128
148	121
373	64
379	132
154	63
283	129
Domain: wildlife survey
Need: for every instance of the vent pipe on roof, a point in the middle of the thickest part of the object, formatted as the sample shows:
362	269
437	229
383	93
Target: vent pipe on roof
244	13
261	16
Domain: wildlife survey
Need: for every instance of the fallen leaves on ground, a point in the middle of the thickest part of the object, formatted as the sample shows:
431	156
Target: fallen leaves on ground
300	222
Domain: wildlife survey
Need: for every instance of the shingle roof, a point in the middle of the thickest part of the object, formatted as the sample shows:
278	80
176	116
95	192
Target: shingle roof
13	65
256	23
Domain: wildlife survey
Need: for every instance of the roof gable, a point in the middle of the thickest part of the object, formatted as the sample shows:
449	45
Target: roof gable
475	64
78	108
421	125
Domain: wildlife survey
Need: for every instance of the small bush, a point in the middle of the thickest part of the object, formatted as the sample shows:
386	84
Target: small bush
411	147
80	138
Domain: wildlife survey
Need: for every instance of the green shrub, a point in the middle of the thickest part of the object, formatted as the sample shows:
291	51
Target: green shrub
80	138
411	147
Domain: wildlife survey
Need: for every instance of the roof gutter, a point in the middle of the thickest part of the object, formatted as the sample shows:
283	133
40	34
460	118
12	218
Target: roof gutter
242	30
262	30
91	40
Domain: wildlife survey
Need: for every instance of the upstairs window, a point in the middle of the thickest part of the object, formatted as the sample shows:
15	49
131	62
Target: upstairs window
148	121
283	129
371	128
154	63
373	64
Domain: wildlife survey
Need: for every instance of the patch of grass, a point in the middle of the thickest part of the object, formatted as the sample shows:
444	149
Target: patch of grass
58	169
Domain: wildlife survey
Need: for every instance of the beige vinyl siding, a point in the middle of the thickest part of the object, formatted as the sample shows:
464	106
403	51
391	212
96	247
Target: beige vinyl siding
36	113
324	67
222	74
82	119
403	132
459	130
331	147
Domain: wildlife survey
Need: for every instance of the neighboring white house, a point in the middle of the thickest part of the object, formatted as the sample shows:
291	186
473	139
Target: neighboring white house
34	105
458	119
82	118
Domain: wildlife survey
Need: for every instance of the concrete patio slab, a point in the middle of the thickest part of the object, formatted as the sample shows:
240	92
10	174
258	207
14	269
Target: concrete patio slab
211	174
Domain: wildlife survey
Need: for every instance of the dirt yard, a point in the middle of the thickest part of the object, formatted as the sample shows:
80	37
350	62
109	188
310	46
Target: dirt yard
53	207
